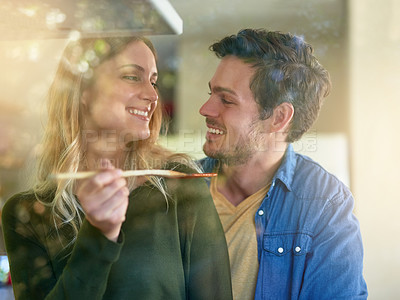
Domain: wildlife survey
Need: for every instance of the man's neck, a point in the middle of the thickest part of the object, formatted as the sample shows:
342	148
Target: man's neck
237	182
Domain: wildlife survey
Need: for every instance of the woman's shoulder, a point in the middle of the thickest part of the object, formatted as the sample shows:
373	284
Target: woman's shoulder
191	189
26	197
27	201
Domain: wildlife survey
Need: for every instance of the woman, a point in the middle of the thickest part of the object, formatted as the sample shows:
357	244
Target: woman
106	237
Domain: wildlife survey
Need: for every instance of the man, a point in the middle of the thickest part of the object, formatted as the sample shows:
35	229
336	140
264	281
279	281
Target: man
288	223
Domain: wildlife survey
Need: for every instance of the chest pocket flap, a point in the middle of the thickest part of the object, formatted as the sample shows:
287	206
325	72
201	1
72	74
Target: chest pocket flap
283	243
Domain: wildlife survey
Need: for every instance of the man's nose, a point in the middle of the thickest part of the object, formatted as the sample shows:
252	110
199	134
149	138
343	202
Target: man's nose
209	109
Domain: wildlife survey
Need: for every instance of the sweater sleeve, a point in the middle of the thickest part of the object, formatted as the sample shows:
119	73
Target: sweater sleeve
33	265
205	251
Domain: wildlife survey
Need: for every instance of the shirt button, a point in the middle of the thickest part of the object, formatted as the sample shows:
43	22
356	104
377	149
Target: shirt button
280	250
297	249
260	212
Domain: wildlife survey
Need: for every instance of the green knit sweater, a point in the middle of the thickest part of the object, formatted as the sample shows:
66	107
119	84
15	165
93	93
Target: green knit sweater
174	252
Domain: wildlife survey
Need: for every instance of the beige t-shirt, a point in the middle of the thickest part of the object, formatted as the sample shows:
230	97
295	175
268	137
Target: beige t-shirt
240	231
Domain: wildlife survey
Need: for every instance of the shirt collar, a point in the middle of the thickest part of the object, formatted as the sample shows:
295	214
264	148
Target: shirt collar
284	173
286	170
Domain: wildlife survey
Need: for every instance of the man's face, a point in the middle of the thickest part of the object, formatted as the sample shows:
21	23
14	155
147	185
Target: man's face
235	131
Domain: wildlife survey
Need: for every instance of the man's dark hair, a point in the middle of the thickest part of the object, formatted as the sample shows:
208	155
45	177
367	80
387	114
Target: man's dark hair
285	71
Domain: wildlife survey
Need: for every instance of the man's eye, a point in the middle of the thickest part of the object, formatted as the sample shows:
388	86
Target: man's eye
209	93
225	101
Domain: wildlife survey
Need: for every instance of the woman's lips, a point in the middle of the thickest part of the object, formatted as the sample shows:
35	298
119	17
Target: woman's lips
140	113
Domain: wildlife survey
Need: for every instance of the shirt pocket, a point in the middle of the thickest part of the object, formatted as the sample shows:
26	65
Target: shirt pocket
280	244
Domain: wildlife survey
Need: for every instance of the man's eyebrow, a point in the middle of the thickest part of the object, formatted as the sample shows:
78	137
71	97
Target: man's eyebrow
221	89
139	68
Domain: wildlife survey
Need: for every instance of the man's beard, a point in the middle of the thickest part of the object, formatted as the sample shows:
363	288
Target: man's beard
237	156
245	147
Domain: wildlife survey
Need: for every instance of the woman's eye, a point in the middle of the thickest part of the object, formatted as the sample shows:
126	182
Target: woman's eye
209	93
131	78
155	85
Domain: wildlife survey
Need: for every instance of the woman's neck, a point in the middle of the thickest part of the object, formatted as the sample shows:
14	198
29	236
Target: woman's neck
102	148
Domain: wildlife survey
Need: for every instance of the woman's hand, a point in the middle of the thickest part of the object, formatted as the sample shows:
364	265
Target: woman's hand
104	199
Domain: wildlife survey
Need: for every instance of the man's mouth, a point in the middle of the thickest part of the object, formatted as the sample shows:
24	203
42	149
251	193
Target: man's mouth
215	131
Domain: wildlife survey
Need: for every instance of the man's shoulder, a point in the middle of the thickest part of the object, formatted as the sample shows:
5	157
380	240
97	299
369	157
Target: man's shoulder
311	179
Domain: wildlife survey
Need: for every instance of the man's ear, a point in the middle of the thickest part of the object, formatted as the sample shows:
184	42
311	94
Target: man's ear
281	117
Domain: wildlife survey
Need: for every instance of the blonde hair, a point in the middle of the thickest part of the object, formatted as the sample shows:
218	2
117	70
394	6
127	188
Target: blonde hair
63	145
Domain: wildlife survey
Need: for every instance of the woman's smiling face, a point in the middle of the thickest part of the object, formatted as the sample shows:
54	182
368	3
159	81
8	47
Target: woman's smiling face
122	97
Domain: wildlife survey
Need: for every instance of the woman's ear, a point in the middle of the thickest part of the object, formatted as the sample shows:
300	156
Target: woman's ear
85	98
281	117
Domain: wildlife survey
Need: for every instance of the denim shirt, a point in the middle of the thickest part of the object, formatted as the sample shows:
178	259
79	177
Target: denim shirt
309	241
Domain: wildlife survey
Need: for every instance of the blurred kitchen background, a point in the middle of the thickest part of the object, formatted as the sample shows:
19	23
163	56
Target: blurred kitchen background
358	41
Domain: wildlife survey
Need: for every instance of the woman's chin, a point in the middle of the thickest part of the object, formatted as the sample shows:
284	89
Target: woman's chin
137	136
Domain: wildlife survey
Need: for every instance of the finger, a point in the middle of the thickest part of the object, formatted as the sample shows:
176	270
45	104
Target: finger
102	213
99	181
110	190
119	199
93	201
118	215
112	225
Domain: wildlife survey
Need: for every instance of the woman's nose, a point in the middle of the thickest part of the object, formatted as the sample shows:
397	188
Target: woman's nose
150	92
